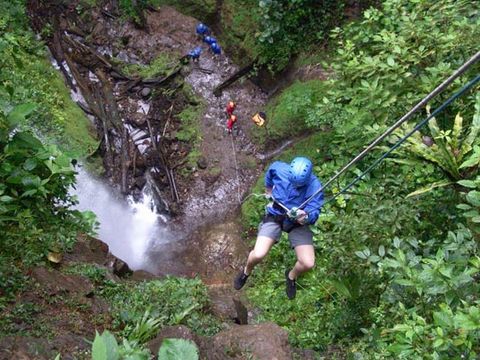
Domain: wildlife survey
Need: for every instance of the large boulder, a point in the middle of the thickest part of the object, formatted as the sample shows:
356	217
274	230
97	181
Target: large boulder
28	348
87	249
266	341
56	283
171	332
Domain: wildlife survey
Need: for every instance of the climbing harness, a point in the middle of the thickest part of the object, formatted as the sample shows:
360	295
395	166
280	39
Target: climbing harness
474	59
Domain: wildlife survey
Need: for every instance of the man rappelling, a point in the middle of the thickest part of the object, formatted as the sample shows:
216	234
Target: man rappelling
296	204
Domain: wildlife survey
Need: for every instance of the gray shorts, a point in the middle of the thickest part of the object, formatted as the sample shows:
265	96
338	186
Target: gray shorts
301	235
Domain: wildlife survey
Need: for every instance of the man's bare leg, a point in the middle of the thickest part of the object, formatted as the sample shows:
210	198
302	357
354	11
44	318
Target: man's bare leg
261	249
305	261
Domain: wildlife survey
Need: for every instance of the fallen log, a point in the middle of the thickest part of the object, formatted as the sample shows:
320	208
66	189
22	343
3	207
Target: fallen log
164	163
240	73
161	80
85	48
82	85
113	115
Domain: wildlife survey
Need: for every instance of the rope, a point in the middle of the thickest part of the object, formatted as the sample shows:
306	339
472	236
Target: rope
440	88
405	137
236	170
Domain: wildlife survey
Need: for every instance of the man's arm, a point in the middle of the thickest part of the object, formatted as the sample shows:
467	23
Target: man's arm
269	175
313	208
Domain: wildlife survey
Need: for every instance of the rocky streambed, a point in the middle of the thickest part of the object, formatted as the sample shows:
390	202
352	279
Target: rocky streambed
163	135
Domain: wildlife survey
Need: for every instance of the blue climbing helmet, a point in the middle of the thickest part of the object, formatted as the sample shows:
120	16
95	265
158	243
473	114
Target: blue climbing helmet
300	171
209	40
216	48
202	29
197	51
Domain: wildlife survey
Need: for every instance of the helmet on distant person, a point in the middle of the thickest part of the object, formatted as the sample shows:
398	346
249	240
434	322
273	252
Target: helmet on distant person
197	50
215	48
209	40
202	29
233	118
300	171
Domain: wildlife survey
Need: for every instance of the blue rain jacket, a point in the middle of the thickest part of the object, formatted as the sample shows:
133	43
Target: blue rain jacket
283	192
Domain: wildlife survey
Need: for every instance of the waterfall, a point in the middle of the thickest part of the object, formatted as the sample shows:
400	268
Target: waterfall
130	228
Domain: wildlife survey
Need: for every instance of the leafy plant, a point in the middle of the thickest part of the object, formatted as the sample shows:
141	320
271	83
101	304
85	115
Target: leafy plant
145	329
173	349
27	77
289	26
456	151
172	301
472	208
105	347
431	299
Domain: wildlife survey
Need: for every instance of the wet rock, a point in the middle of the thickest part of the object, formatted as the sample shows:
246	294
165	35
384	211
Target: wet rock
242	312
171	332
266	341
87	249
202	163
140	182
145	92
118	267
221	304
116	75
29	348
55	282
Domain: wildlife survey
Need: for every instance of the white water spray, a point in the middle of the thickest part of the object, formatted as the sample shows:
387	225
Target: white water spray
129	228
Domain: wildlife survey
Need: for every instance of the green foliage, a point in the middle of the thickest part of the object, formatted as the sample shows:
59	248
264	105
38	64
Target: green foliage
160	66
456	151
288	111
190	130
106	347
472	208
34	182
430	305
145	328
35	207
393	57
240	21
335	299
28	77
173	349
171	301
288	26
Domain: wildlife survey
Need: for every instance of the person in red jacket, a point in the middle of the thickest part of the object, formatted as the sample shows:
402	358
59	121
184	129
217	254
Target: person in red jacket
231	121
230	108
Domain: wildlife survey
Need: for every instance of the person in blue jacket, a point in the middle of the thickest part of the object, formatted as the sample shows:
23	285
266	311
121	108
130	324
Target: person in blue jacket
216	49
195	53
202	30
288	185
209	40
